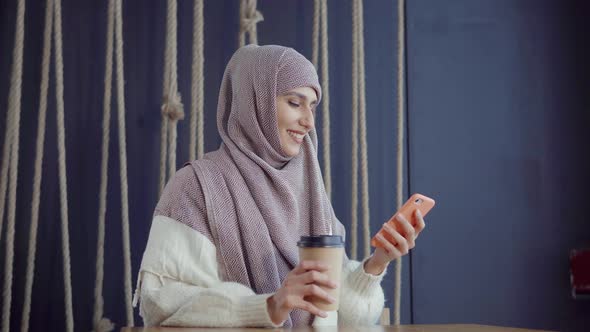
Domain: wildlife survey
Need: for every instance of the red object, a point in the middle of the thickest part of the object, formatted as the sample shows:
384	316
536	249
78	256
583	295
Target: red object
580	273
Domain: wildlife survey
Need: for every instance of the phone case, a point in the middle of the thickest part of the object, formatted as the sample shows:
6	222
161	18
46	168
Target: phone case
415	202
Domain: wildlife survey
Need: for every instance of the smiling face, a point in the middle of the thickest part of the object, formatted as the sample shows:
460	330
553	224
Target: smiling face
295	117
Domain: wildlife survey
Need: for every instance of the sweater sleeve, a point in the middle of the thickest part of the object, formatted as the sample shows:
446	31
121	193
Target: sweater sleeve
361	297
178	283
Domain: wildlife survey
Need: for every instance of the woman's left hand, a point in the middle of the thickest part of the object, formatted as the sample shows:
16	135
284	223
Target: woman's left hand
402	243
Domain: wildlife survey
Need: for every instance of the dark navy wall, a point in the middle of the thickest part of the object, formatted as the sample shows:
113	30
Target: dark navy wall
497	129
498	113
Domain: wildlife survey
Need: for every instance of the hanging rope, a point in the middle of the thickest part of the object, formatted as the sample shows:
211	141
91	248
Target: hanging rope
359	120
315	32
326	102
52	24
11	147
41	125
5	164
100	323
197	136
172	108
249	17
363	128
401	44
321	14
114	28
355	112
61	148
123	162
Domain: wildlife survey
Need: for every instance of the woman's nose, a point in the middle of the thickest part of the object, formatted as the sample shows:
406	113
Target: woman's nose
308	120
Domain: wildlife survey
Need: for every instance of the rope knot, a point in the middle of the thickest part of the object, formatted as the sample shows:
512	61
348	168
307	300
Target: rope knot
172	107
249	23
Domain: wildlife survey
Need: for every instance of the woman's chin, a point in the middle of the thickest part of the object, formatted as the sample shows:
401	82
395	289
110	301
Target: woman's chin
292	151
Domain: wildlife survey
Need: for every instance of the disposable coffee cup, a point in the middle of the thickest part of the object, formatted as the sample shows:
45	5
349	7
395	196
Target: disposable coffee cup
328	249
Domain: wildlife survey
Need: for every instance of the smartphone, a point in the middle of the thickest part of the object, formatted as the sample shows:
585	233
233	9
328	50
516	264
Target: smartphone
415	202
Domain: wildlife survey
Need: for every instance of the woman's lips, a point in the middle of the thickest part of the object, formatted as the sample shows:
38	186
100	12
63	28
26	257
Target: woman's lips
297	136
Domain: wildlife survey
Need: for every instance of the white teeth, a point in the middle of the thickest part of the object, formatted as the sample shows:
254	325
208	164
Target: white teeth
297	136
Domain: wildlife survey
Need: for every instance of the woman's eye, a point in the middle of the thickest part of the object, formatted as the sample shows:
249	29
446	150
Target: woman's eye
293	104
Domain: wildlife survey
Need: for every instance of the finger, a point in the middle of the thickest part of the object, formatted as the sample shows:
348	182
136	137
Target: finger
307	265
389	230
391	250
318	292
400	218
401	242
408	229
309	307
420	225
318	278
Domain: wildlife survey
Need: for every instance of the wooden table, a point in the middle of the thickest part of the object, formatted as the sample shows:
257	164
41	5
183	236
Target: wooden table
378	328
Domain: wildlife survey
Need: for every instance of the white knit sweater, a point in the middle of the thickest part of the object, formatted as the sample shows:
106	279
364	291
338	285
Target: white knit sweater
179	285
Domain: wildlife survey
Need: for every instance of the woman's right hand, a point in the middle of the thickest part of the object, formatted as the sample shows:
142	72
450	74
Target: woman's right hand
302	282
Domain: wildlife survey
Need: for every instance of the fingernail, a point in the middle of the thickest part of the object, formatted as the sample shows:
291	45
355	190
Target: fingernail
335	284
323	314
387	226
332	300
399	217
418	213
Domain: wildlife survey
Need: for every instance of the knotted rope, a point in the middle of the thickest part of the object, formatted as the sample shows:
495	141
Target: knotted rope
249	17
172	108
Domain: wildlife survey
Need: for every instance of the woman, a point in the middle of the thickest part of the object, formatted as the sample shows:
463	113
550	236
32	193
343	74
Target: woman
222	247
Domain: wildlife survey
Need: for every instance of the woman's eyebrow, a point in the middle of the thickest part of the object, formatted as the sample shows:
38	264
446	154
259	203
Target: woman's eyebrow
302	96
